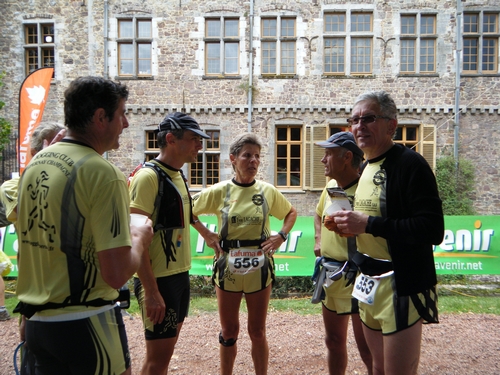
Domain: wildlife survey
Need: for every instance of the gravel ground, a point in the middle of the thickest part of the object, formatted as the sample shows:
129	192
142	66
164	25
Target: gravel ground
460	344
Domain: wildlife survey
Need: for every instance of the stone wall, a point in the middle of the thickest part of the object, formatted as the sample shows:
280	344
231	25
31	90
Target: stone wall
179	83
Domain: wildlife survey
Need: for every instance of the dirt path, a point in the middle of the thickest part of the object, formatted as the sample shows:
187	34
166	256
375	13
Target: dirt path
460	344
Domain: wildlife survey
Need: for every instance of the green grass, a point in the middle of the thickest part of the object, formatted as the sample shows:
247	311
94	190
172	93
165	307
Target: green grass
452	304
452	300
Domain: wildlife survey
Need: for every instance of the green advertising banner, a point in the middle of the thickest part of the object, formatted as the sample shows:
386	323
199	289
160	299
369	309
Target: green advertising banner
8	243
471	245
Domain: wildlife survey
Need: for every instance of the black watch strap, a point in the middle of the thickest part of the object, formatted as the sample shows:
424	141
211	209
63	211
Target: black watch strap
283	235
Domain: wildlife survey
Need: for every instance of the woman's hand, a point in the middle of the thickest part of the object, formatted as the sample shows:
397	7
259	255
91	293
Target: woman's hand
272	244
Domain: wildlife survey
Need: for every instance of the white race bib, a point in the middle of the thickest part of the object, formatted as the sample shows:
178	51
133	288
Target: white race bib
364	289
366	286
242	261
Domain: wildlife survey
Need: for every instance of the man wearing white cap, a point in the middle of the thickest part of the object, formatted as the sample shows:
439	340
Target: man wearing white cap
342	162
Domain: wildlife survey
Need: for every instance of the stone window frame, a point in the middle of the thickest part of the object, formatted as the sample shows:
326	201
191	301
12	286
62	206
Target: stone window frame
222	40
289	163
350	36
480	36
39	45
136	41
281	40
418	37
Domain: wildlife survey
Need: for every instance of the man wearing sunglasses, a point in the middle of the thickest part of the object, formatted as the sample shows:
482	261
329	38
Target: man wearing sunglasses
397	218
342	160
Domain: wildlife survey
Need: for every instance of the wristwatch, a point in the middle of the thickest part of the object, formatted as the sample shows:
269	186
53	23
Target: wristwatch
283	235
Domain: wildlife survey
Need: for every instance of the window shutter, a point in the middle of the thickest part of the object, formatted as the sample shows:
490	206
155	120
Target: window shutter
429	144
315	171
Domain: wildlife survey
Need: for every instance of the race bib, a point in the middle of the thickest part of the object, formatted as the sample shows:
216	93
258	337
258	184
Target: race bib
242	261
366	286
364	289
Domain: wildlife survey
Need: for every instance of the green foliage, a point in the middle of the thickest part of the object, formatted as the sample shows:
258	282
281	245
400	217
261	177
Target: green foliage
455	185
285	286
5	126
453	279
201	285
469	304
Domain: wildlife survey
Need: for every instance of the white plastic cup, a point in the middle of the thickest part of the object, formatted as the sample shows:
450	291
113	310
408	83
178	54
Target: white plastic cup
137	219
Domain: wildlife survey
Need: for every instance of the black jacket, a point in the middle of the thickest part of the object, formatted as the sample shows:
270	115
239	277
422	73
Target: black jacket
412	220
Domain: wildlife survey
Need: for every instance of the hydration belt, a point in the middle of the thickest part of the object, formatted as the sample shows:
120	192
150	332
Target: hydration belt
235	244
371	266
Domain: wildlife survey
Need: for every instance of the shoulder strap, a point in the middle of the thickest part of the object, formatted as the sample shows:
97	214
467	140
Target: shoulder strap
163	178
161	181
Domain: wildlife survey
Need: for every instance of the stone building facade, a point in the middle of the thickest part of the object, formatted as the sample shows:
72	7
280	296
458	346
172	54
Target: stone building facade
287	70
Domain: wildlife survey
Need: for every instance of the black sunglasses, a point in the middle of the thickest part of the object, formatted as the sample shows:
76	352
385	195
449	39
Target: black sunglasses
365	119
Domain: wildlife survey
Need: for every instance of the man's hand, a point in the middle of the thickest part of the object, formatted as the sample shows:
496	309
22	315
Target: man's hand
347	223
331	225
143	233
155	307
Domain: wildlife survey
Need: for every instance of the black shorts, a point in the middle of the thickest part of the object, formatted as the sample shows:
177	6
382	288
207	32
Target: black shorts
175	291
94	345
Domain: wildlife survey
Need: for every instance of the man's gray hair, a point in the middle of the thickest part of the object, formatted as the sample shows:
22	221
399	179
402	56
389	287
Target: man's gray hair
384	100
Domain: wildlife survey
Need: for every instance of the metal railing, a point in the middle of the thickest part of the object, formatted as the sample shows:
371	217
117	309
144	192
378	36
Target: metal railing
9	159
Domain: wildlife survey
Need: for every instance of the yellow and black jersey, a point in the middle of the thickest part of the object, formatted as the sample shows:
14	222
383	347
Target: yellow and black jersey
72	204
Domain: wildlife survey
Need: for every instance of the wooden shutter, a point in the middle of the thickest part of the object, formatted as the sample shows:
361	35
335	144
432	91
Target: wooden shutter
315	171
428	134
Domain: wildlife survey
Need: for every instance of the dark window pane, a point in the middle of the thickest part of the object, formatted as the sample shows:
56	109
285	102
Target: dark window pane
281	165
281	179
295	151
411	134
295	179
295	165
295	134
282	151
399	134
281	134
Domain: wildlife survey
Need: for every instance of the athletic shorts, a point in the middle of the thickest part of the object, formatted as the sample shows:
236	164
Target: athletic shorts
248	283
391	314
338	298
175	291
91	346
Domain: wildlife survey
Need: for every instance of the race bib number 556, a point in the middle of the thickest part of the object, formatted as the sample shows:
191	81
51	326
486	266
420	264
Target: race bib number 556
243	261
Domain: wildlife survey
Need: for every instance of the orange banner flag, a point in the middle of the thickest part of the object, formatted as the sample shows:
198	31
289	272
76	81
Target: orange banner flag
32	98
